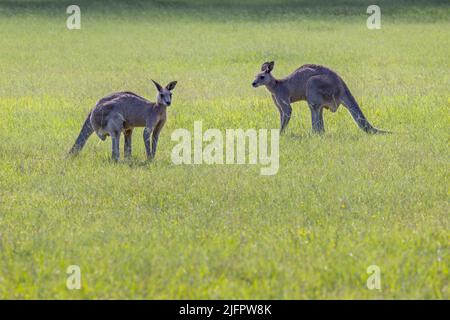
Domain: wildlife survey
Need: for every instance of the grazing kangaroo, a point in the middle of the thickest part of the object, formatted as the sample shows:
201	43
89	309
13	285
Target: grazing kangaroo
319	86
122	112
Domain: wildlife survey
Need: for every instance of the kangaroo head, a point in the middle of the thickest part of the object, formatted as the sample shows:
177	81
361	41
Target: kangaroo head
164	96
265	76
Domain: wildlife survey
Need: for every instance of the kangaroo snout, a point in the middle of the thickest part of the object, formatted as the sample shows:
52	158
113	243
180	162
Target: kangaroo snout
254	84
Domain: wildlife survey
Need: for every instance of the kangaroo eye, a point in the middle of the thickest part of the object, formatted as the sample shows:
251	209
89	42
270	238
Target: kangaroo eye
261	77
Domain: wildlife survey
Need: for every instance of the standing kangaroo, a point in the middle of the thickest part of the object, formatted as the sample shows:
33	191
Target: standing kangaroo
319	86
122	112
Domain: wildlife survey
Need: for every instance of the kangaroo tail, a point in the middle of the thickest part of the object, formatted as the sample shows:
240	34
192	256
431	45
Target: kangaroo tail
85	133
349	101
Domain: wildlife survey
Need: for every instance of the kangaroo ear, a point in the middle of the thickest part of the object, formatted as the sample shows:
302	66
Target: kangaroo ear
267	66
171	85
157	85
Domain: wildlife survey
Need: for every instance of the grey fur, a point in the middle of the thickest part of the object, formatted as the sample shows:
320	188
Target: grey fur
121	112
321	87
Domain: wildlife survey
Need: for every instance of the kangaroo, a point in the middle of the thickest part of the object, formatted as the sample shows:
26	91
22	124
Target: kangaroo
122	112
319	86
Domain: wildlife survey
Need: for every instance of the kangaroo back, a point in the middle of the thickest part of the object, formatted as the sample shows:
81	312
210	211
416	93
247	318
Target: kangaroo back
85	133
350	103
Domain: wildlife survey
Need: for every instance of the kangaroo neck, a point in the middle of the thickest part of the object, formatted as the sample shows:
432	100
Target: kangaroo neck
158	106
273	85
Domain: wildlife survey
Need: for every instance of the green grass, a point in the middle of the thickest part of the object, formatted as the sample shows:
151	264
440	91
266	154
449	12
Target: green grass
339	203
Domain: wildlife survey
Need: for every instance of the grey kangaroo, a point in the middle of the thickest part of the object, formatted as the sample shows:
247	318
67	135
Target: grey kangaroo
319	86
122	112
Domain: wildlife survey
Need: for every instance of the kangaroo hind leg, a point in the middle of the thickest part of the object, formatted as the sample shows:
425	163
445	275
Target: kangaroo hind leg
317	91
127	144
317	118
316	103
115	140
333	104
114	128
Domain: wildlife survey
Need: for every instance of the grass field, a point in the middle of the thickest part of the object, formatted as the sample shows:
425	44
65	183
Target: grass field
339	203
